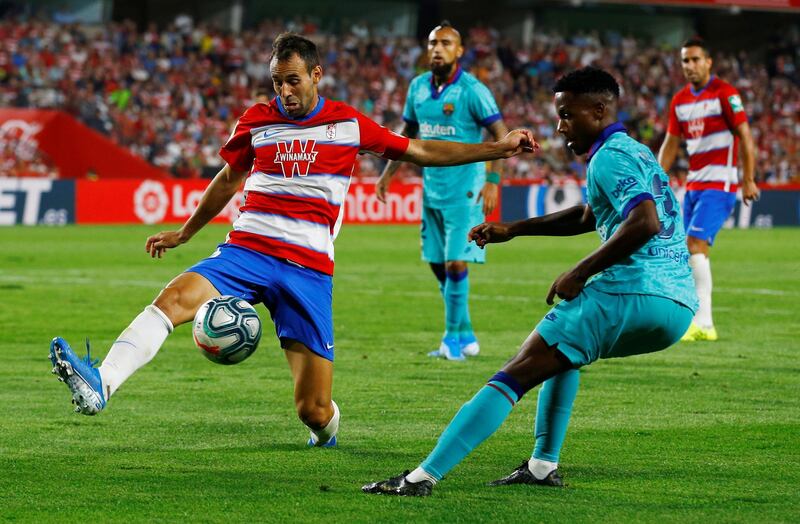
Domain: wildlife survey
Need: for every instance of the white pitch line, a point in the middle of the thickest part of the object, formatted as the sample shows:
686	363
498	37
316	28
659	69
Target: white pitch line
53	277
757	291
81	281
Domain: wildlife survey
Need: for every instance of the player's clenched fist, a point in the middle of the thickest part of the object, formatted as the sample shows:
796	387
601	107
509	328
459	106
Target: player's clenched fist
490	233
518	141
157	244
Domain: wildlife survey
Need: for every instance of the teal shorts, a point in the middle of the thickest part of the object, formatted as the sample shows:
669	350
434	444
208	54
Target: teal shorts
444	234
597	325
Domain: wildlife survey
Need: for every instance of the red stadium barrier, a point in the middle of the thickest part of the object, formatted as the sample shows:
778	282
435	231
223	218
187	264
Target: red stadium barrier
75	149
173	201
143	201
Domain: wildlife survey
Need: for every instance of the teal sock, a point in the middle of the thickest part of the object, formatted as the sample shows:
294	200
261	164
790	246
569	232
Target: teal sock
456	291
553	410
474	423
465	330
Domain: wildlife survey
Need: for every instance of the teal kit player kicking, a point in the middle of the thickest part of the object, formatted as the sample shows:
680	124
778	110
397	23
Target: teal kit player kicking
448	103
634	294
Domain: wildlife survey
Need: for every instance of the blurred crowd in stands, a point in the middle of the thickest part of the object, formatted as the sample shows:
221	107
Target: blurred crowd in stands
172	94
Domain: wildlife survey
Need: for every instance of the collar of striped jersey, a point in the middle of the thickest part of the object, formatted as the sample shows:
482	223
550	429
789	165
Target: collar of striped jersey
697	93
312	114
616	127
436	92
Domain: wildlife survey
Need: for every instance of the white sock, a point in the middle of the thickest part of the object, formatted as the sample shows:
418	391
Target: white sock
419	474
701	269
541	468
135	347
325	434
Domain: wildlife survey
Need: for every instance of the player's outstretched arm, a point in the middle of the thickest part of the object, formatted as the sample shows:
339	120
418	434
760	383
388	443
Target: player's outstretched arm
489	192
216	196
382	185
572	221
445	153
640	226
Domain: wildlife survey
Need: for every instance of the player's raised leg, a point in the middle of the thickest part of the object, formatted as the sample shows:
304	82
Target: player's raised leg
92	387
313	382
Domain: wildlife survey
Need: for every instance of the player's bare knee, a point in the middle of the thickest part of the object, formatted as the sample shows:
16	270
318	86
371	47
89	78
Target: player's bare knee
696	246
455	266
535	363
169	301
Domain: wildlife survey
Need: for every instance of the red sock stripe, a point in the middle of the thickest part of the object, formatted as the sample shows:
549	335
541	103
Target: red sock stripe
503	392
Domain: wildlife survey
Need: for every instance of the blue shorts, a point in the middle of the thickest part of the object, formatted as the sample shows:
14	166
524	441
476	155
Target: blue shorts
597	325
444	234
299	299
705	211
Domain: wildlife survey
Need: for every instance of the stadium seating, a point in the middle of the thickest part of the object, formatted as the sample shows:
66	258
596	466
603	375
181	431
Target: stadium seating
172	95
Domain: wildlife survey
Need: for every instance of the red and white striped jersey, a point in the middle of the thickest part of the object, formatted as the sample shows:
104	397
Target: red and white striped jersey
706	119
299	175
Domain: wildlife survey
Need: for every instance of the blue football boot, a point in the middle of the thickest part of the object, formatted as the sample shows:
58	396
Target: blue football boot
313	443
80	376
450	349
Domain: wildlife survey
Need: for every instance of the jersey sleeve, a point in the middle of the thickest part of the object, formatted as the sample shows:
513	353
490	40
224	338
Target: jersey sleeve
238	150
673	126
622	179
409	114
377	139
732	107
482	105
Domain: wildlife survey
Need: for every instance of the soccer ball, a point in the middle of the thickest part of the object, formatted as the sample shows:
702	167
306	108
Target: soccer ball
226	330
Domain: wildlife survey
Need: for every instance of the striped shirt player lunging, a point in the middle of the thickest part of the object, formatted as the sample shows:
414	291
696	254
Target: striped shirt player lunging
709	115
296	154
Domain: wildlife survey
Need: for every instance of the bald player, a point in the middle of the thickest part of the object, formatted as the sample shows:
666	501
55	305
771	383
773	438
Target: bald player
448	103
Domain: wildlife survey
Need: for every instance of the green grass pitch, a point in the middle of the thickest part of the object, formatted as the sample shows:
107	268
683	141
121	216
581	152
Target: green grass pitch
697	433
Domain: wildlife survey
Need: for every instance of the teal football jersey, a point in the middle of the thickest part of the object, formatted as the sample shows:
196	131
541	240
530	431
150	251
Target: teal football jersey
456	111
621	174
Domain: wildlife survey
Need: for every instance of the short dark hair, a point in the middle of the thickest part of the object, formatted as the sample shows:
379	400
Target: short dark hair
287	44
587	80
696	41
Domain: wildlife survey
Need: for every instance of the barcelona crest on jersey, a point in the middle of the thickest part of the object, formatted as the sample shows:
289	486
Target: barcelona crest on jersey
448	108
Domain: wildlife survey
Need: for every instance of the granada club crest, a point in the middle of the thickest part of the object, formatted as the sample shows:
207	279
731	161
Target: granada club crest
448	108
295	157
330	131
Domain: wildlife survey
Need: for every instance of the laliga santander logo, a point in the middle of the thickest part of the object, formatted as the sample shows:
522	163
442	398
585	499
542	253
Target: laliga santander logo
400	207
152	202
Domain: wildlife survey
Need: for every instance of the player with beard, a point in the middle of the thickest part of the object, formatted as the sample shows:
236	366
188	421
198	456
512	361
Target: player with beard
448	103
632	295
709	114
